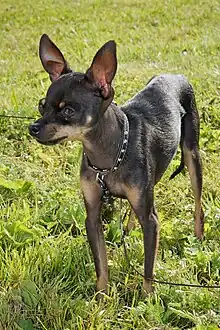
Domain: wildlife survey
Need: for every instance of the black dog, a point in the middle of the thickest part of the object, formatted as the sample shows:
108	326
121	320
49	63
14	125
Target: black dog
126	148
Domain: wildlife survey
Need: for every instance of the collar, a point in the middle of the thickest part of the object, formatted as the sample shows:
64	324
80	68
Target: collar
120	155
101	173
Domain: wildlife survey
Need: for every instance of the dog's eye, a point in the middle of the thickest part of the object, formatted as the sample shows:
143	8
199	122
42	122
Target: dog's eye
68	112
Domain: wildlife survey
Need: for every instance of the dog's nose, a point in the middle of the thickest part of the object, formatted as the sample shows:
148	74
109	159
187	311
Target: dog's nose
34	129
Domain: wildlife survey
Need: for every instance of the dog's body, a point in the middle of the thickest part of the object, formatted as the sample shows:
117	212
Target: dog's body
160	117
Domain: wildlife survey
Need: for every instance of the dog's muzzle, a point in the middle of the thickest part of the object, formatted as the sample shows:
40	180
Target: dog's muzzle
35	130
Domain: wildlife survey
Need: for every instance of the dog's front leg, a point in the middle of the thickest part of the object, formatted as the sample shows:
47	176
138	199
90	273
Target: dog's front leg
92	198
97	243
143	207
151	238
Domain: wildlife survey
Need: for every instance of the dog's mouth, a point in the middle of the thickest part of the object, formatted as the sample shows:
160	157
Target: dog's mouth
52	142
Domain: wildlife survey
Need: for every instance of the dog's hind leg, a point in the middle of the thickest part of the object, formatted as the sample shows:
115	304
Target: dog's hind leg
193	163
192	159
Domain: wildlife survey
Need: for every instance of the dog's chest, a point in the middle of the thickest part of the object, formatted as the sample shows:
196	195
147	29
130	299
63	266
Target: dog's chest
115	187
119	187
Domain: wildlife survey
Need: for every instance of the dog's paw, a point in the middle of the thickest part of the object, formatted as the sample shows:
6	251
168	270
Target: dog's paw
148	288
101	297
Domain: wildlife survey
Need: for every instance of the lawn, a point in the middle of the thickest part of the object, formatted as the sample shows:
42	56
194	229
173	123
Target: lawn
47	277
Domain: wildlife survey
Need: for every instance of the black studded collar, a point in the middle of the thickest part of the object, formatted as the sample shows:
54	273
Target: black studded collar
121	152
101	173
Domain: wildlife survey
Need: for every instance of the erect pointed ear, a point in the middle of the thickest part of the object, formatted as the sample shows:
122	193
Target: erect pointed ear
103	67
52	59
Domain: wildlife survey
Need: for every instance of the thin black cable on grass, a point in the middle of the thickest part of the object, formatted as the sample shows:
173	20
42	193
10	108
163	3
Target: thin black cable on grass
16	117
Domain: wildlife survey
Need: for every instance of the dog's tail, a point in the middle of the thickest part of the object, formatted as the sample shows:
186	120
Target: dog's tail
189	125
180	168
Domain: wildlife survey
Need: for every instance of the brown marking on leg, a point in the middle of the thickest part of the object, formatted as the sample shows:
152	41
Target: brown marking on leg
158	228
92	198
152	240
193	163
91	190
147	287
142	204
132	193
102	283
131	222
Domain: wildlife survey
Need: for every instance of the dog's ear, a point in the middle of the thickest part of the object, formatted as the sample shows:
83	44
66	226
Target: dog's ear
103	67
52	59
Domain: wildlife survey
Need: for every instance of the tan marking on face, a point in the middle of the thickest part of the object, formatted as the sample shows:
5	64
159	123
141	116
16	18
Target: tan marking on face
70	132
62	105
43	101
88	119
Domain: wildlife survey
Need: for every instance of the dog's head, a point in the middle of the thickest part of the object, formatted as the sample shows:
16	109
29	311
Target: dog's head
74	101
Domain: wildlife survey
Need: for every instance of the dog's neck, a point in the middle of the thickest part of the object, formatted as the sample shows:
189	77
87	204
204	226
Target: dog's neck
102	143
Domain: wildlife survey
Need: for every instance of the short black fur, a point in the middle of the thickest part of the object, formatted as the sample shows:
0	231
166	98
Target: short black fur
161	116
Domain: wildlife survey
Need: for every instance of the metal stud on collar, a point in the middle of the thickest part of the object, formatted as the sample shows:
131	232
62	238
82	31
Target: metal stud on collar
123	147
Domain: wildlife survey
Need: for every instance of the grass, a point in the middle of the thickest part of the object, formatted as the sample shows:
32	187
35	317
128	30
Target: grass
46	270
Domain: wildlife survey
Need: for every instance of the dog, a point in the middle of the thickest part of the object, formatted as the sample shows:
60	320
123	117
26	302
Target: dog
126	149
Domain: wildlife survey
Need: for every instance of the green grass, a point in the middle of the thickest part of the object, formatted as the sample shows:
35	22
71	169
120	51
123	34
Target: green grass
46	271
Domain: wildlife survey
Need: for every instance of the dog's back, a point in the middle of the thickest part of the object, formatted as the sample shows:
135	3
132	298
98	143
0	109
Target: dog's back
160	102
156	113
